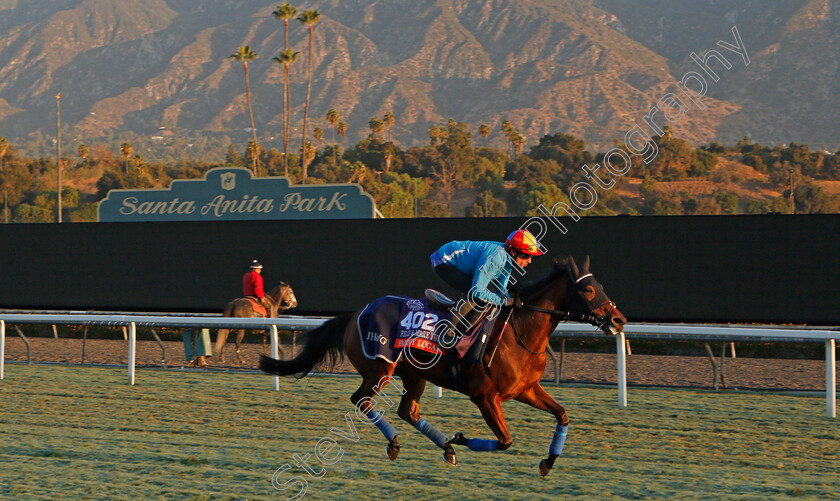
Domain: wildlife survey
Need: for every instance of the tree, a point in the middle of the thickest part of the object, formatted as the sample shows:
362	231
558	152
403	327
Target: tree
333	118
484	131
84	152
4	145
389	122
284	13
376	126
308	18
307	155
245	55
286	59
253	152
342	129
126	151
318	134
486	205
233	157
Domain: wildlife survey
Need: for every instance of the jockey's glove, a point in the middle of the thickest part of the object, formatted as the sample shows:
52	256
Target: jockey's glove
508	301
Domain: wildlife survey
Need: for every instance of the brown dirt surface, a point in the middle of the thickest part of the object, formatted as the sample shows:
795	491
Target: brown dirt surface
598	368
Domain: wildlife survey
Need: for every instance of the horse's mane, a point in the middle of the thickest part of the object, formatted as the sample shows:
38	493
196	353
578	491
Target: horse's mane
528	289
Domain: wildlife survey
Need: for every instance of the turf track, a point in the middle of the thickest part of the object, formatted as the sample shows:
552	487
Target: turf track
84	433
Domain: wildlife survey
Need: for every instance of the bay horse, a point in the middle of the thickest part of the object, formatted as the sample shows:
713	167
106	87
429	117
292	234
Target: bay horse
566	293
278	299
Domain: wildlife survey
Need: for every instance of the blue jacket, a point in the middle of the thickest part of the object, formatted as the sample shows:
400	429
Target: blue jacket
487	262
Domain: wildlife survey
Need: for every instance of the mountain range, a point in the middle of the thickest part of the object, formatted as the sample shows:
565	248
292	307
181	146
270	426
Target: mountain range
590	68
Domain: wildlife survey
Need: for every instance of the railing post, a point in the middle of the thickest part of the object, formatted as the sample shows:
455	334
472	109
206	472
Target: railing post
2	348
830	379
132	345
621	357
274	355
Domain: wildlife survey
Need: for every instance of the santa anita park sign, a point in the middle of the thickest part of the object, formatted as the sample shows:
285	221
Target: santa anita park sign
231	194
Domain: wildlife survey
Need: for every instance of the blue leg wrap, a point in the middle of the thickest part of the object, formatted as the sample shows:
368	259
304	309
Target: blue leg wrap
559	440
384	426
482	445
431	432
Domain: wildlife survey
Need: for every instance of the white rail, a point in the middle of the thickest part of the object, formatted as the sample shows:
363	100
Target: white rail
719	332
133	321
762	333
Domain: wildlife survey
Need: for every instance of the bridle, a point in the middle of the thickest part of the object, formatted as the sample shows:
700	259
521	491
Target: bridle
590	318
287	290
599	321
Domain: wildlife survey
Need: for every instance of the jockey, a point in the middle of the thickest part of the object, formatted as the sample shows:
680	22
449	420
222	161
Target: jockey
252	282
481	270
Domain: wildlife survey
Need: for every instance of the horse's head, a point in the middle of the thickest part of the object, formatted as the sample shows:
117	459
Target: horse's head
283	297
590	299
287	297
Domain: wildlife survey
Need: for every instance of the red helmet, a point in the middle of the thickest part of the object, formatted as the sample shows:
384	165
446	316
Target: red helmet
523	241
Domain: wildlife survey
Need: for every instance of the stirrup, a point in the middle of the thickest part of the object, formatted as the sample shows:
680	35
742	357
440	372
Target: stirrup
439	299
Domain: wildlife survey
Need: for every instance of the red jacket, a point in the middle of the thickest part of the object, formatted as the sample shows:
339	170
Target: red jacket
252	284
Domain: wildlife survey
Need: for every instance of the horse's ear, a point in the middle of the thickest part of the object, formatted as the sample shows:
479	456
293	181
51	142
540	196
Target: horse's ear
570	263
585	266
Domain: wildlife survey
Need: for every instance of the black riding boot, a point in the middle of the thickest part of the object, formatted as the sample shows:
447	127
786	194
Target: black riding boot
464	316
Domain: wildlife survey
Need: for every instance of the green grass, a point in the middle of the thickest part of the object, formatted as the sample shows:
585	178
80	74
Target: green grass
84	433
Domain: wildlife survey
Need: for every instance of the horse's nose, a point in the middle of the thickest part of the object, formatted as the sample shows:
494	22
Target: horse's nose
618	321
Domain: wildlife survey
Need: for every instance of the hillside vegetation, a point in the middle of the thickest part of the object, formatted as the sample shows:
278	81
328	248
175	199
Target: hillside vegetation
453	176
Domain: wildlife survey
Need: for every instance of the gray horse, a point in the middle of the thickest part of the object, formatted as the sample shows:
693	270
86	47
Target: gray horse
277	300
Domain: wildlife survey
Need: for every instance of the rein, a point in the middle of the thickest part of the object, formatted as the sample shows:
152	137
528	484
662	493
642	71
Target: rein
595	320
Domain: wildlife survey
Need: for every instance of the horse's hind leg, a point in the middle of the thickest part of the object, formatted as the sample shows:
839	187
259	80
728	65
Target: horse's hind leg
363	399
240	333
409	410
221	339
490	405
538	398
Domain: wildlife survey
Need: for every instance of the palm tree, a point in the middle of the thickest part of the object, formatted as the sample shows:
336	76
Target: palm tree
318	134
308	18
245	55
4	145
125	151
286	58
389	122
342	129
376	126
253	152
307	154
284	13
484	131
332	118
518	141
84	152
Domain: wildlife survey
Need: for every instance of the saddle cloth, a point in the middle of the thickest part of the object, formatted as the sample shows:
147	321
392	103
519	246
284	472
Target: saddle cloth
257	306
389	324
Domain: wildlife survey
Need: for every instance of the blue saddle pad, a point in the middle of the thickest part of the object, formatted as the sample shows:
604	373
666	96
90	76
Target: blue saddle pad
388	324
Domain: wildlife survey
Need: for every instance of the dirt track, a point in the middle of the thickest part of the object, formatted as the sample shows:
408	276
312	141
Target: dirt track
741	373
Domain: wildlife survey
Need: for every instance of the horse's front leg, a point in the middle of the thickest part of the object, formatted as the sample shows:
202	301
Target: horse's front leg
409	411
265	345
490	405
537	397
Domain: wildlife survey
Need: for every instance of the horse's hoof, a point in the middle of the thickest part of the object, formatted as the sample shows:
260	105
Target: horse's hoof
393	449
458	439
544	467
449	455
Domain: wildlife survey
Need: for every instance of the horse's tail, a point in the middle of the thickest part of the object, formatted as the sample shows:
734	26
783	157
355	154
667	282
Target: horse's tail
326	340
